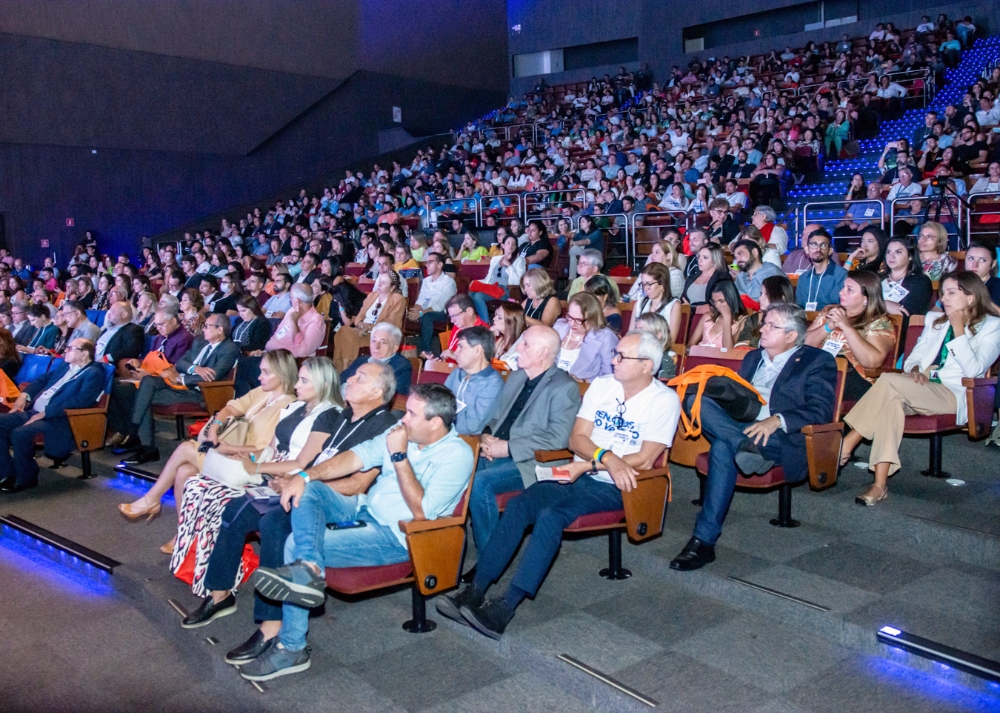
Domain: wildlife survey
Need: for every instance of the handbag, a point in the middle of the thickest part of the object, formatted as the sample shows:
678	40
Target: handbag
228	471
491	290
728	389
185	572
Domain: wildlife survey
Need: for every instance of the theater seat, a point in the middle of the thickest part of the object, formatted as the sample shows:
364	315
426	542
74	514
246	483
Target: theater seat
436	549
642	516
823	442
216	395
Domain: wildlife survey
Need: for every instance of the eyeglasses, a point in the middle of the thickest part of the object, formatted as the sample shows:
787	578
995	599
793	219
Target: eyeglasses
646	285
575	320
618	356
772	325
74	349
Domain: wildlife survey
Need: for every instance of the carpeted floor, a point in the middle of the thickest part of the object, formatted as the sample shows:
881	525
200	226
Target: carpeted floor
927	560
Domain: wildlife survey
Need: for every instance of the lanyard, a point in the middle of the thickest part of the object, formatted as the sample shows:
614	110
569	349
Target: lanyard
334	443
819	285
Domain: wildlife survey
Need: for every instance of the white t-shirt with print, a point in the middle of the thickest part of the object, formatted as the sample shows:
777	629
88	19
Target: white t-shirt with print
650	415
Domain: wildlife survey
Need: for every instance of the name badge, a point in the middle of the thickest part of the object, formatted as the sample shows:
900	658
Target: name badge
620	439
811	306
894	292
281	333
833	346
869	212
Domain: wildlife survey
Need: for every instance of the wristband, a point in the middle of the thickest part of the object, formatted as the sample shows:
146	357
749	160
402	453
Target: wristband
597	454
848	264
305	475
827	328
600	458
215	420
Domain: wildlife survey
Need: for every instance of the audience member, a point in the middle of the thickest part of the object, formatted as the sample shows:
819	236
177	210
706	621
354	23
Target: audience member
475	383
820	285
586	341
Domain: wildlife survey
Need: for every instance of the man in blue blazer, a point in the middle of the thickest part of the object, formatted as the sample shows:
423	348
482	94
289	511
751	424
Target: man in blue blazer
385	340
798	384
41	408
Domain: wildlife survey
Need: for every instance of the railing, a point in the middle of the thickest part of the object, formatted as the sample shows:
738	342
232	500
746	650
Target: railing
649	226
504	207
908	80
536	203
447	208
812	213
946	210
980	206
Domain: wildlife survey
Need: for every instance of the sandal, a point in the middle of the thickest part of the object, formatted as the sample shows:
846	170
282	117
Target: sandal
873	495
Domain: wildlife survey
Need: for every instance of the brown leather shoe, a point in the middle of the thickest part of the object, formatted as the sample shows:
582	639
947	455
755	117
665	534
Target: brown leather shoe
115	439
168	548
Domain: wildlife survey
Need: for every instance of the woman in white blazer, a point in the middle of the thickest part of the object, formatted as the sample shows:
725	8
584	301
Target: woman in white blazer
506	269
962	343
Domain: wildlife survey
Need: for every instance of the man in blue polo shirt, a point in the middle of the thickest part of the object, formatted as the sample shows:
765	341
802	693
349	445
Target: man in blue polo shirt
425	469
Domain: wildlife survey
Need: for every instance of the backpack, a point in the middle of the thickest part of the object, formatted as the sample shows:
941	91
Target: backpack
724	386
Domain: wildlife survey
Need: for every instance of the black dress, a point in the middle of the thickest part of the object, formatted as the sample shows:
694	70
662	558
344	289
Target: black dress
249	337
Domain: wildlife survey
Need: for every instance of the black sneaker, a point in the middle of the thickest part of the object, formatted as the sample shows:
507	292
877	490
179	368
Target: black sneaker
295	583
209	611
127	444
276	661
145	454
250	649
489	619
449	605
750	461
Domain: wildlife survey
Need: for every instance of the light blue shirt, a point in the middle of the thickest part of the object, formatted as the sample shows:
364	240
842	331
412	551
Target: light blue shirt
765	377
443	470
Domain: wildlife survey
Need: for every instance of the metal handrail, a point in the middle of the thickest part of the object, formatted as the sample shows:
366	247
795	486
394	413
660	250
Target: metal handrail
846	205
972	214
436	202
580	193
907	77
485	204
925	214
682	219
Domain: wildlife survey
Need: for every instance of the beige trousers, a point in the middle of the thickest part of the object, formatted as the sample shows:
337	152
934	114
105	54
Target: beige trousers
879	415
347	345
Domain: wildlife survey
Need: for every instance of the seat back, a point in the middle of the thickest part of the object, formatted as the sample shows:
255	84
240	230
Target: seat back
913	330
32	367
462	509
842	366
97	316
682	329
416	366
435	371
109	377
729	358
694	319
890	358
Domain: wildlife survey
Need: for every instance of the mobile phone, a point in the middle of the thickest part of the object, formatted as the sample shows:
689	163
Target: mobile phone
206	446
346	525
131	367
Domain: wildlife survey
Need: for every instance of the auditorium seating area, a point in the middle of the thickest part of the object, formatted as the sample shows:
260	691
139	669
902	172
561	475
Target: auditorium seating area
578	207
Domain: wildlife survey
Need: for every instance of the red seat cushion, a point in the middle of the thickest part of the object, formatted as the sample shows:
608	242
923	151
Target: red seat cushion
358	579
504	498
775	476
930	424
597	519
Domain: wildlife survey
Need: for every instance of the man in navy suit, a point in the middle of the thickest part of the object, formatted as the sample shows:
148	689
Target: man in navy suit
41	408
798	385
385	340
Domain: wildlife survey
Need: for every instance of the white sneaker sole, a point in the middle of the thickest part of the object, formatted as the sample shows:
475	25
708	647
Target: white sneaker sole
279	589
218	615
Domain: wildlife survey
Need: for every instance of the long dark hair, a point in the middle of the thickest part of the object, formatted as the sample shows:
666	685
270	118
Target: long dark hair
727	288
911	249
969	283
883	241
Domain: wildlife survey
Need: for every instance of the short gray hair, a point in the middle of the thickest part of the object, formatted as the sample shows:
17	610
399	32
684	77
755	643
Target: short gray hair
649	348
385	379
393	331
595	256
795	319
170	303
766	211
438	402
303	293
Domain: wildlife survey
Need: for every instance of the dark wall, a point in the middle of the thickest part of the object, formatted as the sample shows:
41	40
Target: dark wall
317	37
127	193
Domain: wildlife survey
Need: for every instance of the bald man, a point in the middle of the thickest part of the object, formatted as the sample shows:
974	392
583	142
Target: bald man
537	410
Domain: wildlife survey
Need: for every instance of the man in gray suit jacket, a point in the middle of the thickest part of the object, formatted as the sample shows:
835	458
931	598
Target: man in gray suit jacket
537	410
208	359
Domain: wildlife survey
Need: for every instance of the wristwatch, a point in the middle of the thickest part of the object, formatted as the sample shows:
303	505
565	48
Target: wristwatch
398	457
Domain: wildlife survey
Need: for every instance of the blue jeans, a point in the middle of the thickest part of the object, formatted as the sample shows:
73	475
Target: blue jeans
368	546
492	478
725	434
427	335
480	299
550	507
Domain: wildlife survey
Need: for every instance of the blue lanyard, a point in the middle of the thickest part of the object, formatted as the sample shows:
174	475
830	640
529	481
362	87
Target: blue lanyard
809	292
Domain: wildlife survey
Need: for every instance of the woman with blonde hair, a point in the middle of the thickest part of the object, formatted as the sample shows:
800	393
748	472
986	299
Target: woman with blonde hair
301	432
541	306
260	409
385	303
962	343
586	341
932	244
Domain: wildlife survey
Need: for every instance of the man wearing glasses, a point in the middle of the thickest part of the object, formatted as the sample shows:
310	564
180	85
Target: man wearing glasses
41	408
21	329
210	358
798	384
625	423
820	285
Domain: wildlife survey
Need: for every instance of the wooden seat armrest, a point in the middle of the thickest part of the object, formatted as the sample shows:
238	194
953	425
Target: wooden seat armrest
646	505
874	373
979	383
411	526
70	412
653	473
216	394
815	428
549	456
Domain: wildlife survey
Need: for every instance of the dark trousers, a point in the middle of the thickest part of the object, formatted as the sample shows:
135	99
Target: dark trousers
240	519
153	391
550	507
428	339
725	434
14	434
247	375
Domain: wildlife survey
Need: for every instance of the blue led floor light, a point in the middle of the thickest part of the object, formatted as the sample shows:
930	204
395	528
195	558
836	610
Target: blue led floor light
58	542
956	658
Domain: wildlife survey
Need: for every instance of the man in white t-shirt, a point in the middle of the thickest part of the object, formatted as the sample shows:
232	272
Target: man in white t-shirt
625	423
